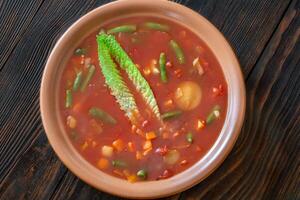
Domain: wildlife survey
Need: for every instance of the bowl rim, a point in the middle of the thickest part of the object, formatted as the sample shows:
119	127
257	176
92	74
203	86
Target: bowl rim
172	185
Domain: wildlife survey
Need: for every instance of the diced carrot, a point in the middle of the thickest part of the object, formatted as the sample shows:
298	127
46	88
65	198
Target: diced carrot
178	73
132	178
84	145
200	124
77	107
147	145
130	147
118	172
147	151
118	145
150	135
133	128
138	155
103	163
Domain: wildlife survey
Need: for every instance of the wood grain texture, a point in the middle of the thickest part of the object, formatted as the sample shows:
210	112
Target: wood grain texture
265	161
13	24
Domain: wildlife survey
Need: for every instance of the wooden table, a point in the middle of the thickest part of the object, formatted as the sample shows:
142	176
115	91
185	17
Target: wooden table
265	162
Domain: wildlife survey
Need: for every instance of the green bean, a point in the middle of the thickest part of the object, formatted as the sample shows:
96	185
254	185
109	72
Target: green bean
69	98
190	137
77	81
171	115
142	174
214	114
122	29
80	51
91	72
119	163
178	51
157	26
102	115
162	65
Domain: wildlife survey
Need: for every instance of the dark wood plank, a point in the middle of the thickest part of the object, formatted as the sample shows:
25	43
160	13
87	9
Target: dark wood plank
15	17
265	163
247	24
36	173
19	87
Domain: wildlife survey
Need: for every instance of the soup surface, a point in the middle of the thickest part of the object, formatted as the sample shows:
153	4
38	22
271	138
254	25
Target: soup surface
149	120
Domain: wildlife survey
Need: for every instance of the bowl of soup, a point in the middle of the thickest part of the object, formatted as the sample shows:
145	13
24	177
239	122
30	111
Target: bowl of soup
142	99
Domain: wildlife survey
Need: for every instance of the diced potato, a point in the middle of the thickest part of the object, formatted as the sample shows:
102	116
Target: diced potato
118	144
138	155
107	151
71	122
147	145
171	157
200	124
130	146
103	163
188	95
132	178
150	135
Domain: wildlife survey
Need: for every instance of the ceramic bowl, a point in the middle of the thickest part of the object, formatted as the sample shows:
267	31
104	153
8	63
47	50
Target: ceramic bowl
149	189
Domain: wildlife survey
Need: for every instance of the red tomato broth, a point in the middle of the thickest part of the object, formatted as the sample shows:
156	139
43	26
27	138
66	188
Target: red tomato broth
151	43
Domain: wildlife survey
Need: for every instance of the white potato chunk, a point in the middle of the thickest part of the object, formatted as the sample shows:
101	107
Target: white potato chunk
188	95
172	157
107	151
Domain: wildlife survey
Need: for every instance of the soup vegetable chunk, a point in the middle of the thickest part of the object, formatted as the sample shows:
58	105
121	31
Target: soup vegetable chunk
142	98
